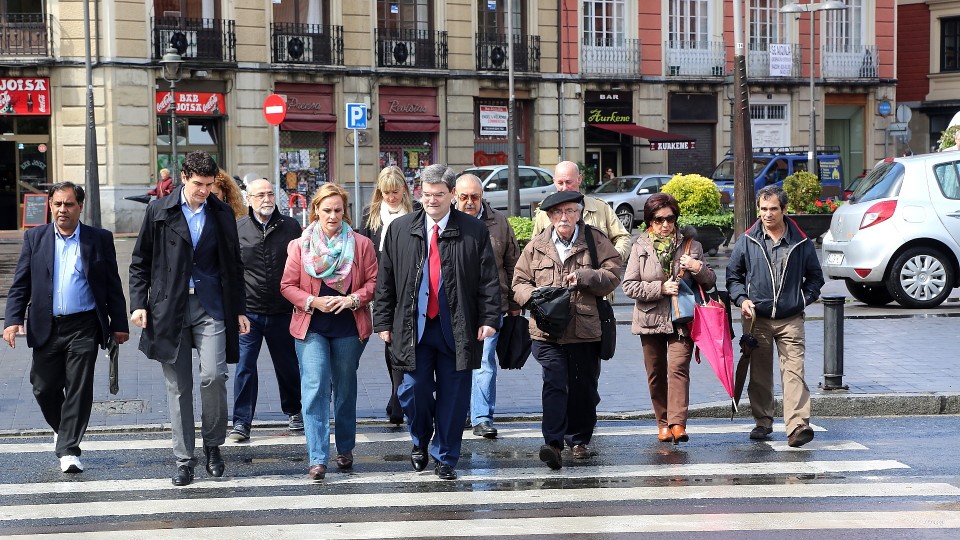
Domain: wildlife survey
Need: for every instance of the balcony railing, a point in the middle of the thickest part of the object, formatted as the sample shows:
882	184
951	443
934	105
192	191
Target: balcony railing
492	53
602	57
696	58
307	44
849	62
758	61
212	40
411	48
24	34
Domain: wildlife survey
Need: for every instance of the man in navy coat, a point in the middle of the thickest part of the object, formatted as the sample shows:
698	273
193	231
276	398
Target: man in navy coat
67	274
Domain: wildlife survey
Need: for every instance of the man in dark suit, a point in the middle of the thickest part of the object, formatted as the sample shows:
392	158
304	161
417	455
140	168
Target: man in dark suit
67	274
187	292
438	298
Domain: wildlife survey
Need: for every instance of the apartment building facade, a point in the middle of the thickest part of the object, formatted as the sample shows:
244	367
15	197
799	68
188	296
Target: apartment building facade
635	86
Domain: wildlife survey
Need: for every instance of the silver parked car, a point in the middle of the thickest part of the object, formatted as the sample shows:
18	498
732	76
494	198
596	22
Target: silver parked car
535	185
627	195
898	237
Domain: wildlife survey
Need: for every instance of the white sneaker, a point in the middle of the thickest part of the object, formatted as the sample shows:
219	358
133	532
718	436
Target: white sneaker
55	439
71	464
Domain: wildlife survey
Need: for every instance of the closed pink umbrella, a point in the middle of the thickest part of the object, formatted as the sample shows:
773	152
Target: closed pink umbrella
710	331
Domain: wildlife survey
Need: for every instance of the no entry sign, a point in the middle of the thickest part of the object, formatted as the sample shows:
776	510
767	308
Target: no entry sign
274	109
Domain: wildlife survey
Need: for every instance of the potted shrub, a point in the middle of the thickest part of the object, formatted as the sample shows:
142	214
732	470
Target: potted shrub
699	202
948	139
804	205
522	229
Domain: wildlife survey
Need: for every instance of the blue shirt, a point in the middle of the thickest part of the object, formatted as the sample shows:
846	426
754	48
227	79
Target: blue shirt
71	292
195	220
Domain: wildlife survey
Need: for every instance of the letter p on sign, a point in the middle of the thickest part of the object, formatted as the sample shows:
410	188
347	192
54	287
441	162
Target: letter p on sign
356	116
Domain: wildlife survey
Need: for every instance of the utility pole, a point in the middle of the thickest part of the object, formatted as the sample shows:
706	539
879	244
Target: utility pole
92	169
513	184
744	205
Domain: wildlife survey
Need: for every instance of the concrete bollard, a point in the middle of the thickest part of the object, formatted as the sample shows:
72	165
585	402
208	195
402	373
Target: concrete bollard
833	342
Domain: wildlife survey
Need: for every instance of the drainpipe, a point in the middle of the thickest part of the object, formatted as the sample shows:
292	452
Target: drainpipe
562	85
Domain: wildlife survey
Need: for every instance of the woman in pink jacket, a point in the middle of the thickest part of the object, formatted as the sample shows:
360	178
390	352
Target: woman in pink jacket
329	278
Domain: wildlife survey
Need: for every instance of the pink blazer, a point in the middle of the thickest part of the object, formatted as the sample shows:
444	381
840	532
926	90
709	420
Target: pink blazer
296	285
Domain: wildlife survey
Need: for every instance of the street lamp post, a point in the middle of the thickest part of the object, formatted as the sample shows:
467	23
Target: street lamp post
172	64
812	8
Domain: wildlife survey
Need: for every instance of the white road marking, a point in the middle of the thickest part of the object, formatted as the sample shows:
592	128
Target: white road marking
481	499
781	446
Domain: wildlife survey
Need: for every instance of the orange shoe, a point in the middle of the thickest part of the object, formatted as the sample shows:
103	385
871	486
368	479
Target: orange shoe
679	434
665	435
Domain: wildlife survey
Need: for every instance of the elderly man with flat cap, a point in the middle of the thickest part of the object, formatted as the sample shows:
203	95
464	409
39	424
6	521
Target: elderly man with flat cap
559	257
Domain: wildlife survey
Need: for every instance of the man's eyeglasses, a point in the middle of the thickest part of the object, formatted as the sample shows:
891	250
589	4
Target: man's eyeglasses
262	196
568	211
666	219
466	197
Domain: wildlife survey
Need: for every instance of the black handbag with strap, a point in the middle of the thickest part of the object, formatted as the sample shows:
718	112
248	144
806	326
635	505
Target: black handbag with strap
608	322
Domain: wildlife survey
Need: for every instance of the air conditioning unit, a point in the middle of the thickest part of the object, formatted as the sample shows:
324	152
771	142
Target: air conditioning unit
294	48
185	41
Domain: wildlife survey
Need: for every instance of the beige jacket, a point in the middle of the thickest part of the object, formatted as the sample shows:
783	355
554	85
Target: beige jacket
598	215
540	266
643	279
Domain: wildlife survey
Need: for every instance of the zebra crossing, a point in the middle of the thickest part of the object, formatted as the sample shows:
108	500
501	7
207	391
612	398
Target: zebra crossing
720	481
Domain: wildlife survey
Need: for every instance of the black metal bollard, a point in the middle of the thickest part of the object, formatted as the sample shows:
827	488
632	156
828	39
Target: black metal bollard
833	342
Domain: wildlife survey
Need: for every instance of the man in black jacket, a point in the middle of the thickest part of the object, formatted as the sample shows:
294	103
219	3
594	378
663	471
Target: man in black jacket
264	236
438	298
780	265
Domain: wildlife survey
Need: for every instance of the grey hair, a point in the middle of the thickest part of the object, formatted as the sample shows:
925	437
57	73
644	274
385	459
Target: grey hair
773	191
437	173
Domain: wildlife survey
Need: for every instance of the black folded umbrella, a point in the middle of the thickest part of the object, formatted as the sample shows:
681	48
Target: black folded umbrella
550	307
139	198
514	344
748	344
113	353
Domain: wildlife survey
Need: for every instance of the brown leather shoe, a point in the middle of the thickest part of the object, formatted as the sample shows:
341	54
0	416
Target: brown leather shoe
801	435
582	451
345	461
679	434
317	472
665	435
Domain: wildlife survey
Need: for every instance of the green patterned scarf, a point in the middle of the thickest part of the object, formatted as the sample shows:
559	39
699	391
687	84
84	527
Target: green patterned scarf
664	247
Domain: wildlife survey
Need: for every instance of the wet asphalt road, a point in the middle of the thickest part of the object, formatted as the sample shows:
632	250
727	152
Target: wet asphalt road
718	475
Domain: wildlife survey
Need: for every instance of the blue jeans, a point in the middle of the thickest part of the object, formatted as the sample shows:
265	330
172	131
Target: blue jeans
483	394
325	361
275	329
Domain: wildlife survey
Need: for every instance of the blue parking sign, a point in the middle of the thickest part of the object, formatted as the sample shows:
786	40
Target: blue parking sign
356	116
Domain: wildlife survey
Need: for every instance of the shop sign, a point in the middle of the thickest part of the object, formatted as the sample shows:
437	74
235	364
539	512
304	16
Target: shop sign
608	107
781	60
192	103
24	96
493	120
673	145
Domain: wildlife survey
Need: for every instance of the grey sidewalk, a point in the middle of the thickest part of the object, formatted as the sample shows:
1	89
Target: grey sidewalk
893	364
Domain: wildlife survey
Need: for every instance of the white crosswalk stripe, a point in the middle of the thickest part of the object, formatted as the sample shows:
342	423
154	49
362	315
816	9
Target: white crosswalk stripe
499	487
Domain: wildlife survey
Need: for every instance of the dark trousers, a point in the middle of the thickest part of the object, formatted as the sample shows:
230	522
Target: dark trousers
62	378
275	329
396	377
436	375
571	374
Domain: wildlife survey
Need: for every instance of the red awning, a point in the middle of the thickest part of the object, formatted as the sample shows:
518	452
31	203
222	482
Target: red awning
652	135
317	123
421	123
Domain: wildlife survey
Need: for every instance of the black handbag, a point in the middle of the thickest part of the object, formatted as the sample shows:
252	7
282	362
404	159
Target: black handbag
550	307
608	322
514	343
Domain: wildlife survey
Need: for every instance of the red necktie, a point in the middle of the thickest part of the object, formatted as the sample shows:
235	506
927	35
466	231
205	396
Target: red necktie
433	302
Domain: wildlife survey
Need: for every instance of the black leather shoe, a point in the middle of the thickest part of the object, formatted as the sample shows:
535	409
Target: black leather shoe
760	433
445	472
485	430
184	476
551	456
419	458
214	461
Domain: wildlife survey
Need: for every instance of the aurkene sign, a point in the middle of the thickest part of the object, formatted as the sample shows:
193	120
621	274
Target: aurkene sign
24	96
673	145
192	103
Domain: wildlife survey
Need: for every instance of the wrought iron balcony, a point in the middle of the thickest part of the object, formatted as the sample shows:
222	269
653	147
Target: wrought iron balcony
492	53
307	44
758	61
849	62
211	40
696	58
411	48
605	57
24	34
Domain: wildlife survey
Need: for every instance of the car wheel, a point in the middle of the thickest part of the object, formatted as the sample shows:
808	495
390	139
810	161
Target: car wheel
920	278
625	215
871	295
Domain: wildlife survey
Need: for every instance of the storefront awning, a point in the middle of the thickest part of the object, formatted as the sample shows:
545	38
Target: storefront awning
420	123
655	136
325	122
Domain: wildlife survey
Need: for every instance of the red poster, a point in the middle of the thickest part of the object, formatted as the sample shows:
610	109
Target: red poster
192	103
24	96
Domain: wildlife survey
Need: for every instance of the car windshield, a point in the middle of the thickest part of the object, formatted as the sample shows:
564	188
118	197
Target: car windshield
482	174
724	171
882	182
618	185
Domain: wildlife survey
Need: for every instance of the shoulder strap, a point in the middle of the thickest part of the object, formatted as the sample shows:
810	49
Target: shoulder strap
591	246
686	251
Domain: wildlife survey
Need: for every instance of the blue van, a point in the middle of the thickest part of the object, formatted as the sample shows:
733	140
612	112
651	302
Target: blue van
772	165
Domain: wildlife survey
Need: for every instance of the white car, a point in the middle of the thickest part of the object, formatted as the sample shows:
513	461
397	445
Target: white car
535	185
898	237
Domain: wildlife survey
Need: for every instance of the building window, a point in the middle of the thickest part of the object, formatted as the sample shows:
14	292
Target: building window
604	23
300	12
688	21
766	23
950	44
844	28
768	112
187	9
403	14
492	17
